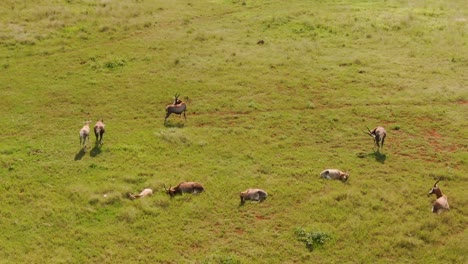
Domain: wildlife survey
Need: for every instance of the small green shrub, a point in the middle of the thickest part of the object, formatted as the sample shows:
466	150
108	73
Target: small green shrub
116	63
311	239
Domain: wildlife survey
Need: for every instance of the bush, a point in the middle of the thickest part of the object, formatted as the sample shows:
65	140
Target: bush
311	239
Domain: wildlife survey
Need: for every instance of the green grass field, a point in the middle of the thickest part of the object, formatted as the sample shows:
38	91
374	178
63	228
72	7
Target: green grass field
270	116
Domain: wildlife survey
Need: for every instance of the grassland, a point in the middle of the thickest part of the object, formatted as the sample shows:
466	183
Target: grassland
270	116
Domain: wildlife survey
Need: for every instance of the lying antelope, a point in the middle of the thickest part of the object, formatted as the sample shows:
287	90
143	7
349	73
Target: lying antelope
84	134
334	174
185	187
99	130
177	107
258	195
378	134
441	203
145	192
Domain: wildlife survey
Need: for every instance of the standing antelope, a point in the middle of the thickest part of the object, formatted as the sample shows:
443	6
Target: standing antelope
145	192
378	134
177	107
441	203
84	134
258	195
184	187
334	174
99	130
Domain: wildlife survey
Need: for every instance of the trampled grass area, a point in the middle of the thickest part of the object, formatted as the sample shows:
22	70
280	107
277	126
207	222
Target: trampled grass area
271	115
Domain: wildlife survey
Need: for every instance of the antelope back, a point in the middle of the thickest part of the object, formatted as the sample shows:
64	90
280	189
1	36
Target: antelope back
380	130
190	187
262	194
254	194
99	124
331	174
84	131
379	134
176	108
146	192
440	204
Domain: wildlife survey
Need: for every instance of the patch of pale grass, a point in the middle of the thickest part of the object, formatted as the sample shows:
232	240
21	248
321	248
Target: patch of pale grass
174	136
128	215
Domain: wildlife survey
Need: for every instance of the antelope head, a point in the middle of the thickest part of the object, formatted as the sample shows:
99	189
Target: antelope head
345	176
369	132
169	191
434	189
176	99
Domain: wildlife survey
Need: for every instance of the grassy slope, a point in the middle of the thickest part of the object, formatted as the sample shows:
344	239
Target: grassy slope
271	116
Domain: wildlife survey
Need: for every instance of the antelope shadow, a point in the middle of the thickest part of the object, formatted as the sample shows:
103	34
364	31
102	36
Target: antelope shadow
96	150
80	154
380	157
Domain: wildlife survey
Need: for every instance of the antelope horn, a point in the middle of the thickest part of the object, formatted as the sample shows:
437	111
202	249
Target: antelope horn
436	183
177	95
165	187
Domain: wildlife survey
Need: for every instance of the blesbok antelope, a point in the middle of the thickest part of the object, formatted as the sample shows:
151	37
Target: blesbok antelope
258	195
145	192
378	134
99	130
441	203
177	107
334	174
184	187
84	134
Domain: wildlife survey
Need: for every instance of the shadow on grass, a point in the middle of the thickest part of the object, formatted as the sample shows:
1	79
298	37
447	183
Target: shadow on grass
80	154
178	125
380	157
96	150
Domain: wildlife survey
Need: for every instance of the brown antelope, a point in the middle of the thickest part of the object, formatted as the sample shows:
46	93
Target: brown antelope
99	130
177	107
441	203
145	192
334	174
258	195
84	134
185	187
378	134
